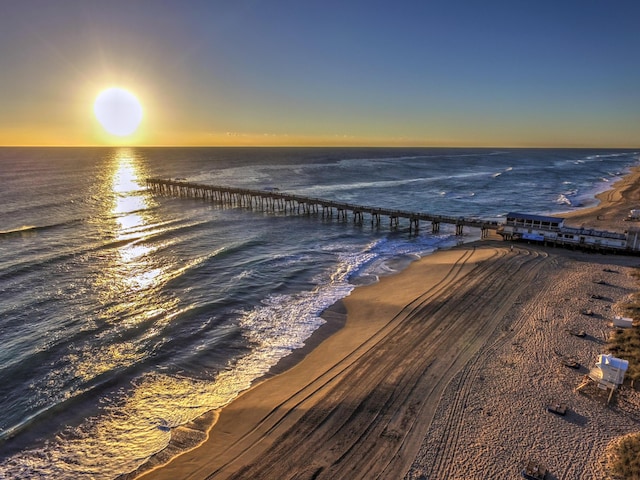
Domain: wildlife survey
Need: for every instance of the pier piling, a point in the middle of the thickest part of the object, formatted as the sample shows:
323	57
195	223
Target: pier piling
274	200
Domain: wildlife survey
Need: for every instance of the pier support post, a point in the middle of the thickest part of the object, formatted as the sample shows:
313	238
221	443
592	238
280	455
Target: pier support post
290	204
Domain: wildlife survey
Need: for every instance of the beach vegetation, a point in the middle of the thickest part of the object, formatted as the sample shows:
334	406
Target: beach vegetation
625	344
633	307
624	457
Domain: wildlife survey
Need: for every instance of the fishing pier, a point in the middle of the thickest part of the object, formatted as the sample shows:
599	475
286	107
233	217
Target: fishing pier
273	200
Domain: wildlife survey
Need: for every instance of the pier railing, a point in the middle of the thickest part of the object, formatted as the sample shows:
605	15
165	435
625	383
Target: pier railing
274	200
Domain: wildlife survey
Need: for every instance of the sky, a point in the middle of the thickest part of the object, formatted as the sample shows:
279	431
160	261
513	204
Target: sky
558	73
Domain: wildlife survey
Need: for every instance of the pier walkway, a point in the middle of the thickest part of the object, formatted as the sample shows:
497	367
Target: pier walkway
274	200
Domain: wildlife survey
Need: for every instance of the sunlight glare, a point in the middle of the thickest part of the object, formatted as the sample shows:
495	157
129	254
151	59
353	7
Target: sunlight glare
118	111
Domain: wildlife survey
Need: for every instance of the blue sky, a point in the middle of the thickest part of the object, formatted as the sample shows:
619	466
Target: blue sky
517	73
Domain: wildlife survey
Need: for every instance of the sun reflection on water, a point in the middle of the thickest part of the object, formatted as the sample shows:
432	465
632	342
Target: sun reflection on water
128	280
125	178
131	213
129	200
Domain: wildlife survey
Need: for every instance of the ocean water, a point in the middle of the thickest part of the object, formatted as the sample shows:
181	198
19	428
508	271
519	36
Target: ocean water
123	314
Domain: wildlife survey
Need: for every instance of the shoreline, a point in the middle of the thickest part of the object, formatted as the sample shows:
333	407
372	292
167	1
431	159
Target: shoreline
336	344
613	205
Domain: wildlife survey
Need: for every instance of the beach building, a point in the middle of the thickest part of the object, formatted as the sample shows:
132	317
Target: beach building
525	226
633	238
622	322
541	228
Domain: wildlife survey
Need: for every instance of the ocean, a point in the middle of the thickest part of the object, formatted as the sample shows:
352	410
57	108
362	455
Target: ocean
124	315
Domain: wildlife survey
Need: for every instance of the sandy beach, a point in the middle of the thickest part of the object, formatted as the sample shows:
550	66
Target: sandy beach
441	371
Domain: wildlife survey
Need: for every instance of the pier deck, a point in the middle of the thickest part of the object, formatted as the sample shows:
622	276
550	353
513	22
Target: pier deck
274	200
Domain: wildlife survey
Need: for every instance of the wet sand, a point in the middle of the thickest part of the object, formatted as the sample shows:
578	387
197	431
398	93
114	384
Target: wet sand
442	371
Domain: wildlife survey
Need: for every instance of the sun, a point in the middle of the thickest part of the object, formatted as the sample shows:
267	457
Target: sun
118	111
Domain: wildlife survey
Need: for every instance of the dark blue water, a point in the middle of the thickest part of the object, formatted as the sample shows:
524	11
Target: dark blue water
123	315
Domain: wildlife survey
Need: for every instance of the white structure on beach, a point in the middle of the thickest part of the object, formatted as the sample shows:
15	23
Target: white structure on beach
634	214
541	228
609	370
608	374
622	322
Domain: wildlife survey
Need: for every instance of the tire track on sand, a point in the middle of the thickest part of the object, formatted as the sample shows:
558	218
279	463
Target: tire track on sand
446	447
368	419
287	411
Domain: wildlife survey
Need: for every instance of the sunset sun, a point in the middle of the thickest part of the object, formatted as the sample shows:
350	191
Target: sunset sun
118	111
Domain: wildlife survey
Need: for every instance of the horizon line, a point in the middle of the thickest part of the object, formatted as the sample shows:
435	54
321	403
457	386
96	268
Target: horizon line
330	146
